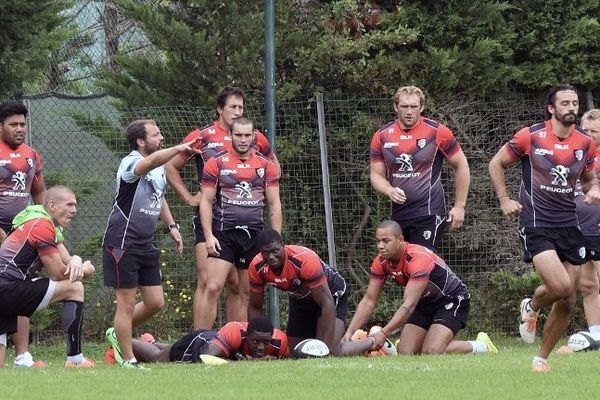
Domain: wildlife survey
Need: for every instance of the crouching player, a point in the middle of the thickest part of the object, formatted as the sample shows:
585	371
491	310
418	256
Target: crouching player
35	244
435	304
318	294
257	340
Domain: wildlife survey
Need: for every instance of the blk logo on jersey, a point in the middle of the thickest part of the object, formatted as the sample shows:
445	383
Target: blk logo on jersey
405	161
19	180
245	189
559	175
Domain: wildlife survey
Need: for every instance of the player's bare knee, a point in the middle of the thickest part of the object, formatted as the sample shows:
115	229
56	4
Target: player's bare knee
154	305
67	290
77	291
213	289
560	289
125	306
200	283
432	349
565	305
232	287
588	287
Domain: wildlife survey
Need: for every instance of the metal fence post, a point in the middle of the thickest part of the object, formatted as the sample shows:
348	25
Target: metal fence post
325	175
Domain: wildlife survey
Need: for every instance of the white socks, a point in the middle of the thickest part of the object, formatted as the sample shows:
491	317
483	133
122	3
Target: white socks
478	347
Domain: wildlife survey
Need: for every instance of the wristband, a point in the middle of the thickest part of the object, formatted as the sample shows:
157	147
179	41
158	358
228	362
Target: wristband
173	226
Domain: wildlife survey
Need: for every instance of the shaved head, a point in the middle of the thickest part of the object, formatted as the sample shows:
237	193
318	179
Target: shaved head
392	225
57	193
61	204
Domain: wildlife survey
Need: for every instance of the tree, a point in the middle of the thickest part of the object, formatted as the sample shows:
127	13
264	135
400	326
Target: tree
200	46
558	42
359	47
29	31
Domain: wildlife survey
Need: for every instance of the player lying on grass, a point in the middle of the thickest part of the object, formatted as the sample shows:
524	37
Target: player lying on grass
435	304
318	294
235	341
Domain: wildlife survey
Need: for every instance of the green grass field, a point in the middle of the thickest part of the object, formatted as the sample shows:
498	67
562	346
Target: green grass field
503	376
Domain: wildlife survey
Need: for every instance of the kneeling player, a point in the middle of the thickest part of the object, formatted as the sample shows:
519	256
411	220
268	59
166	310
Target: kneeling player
318	294
435	305
36	243
235	341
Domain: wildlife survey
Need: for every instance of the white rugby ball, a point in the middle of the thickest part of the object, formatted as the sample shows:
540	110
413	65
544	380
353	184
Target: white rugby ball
311	348
583	341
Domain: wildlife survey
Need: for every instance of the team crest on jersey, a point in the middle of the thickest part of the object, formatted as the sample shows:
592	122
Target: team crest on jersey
245	189
421	143
30	162
260	172
426	235
405	161
559	175
579	155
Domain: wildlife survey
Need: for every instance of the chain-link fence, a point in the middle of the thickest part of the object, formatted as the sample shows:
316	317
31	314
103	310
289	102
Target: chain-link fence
81	143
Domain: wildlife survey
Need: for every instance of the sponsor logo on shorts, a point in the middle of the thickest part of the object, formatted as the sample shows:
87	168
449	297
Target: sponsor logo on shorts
449	305
582	252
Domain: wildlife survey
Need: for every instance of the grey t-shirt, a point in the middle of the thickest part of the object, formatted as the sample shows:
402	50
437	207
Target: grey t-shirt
137	205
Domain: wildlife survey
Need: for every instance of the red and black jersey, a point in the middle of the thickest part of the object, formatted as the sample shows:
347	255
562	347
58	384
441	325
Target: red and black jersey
550	169
214	140
413	161
19	168
232	339
303	270
20	252
241	186
421	265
